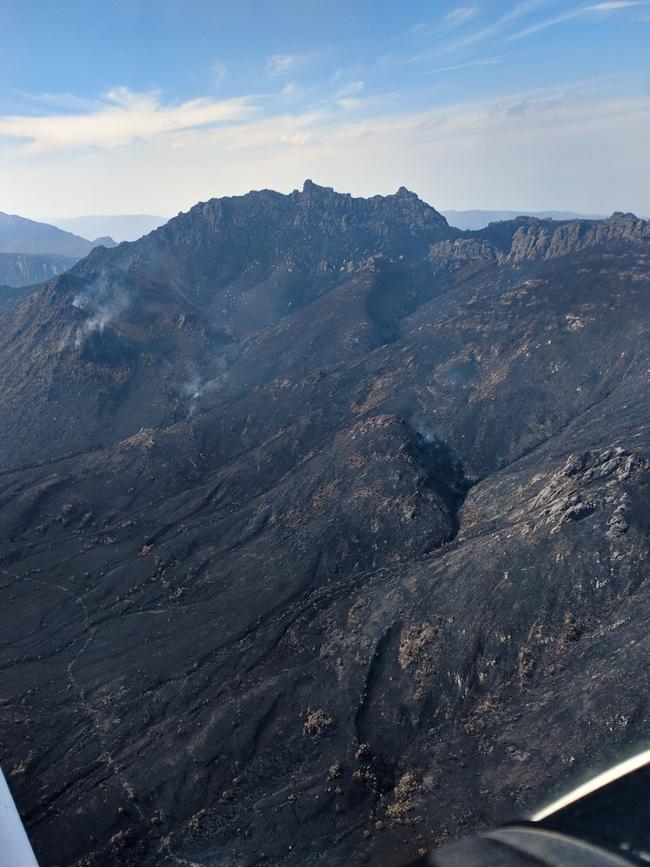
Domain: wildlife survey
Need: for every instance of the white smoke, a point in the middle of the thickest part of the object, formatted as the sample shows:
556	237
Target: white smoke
422	429
104	299
198	386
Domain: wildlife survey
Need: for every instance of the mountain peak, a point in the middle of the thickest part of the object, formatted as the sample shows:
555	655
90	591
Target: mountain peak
310	187
405	193
312	225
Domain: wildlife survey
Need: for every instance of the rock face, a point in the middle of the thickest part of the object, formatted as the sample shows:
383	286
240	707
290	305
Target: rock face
22	269
537	241
324	531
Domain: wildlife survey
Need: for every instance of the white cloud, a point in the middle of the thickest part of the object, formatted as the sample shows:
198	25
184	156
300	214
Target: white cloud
61	100
349	103
488	61
283	64
454	18
461	14
520	10
616	4
532	149
415	30
120	118
548	22
351	88
577	12
465	38
219	73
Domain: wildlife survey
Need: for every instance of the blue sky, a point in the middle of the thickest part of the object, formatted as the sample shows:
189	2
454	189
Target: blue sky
146	106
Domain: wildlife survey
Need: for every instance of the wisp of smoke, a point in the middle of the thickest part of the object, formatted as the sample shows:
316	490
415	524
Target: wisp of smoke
104	299
197	386
421	428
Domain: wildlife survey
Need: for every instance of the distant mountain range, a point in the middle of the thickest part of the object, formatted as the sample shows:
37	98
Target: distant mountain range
324	530
480	219
122	227
25	269
31	252
20	235
130	227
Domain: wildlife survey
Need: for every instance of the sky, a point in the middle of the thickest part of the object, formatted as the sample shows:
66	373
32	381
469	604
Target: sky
136	106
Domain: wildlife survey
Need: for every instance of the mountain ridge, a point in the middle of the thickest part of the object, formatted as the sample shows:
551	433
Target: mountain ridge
221	294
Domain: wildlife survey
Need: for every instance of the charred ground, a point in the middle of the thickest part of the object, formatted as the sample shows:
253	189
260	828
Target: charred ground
324	530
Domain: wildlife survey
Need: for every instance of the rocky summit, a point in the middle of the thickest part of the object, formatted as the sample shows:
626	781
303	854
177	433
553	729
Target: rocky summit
324	531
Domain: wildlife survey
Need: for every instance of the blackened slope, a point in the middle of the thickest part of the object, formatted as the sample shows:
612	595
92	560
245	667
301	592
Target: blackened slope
291	248
278	556
370	585
130	335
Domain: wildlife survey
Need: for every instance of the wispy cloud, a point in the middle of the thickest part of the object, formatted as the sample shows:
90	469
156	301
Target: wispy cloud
348	97
518	11
450	36
616	4
425	30
349	103
219	73
415	30
570	15
488	61
65	101
113	154
352	87
121	117
575	13
461	14
283	64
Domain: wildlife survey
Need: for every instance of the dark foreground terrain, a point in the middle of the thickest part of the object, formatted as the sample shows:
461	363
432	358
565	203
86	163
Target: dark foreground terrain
324	531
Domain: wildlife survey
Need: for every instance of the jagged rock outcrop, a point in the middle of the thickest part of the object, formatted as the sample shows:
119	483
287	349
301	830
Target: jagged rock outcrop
541	241
530	239
453	255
